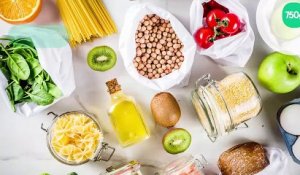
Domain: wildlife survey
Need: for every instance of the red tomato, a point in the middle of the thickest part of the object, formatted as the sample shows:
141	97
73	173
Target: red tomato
204	37
230	24
214	17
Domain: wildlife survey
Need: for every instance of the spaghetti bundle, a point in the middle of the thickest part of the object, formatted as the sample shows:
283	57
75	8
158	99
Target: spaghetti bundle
85	20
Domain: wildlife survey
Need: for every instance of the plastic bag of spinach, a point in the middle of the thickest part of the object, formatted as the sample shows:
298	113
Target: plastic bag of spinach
35	71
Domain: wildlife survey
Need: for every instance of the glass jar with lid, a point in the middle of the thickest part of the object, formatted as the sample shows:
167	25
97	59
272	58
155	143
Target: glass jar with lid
75	138
188	165
132	168
223	105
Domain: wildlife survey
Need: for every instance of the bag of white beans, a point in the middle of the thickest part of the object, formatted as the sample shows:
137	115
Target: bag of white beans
156	48
230	51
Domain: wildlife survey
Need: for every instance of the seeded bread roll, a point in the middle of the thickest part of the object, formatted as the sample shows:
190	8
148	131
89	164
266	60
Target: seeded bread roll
244	159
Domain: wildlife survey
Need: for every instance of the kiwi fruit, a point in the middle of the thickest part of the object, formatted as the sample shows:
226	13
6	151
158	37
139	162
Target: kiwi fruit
165	109
101	58
177	140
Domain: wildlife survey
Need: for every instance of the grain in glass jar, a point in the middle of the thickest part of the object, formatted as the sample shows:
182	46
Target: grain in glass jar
223	105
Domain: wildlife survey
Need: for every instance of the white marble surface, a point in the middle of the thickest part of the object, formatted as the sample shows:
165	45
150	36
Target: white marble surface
23	147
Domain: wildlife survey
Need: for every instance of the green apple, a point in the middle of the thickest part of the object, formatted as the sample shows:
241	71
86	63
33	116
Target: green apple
280	73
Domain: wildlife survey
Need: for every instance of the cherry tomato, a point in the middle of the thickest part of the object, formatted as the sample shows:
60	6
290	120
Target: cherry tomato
204	37
214	17
230	24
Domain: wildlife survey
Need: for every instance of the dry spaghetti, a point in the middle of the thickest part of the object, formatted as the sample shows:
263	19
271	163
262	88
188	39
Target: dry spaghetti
85	20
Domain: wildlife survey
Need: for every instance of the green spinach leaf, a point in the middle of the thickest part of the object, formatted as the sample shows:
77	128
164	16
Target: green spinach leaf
18	66
18	91
10	96
54	90
41	97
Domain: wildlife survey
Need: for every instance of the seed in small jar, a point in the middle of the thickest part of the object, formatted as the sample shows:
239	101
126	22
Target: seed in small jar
162	61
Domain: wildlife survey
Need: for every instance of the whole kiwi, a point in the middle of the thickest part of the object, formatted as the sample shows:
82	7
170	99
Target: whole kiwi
165	109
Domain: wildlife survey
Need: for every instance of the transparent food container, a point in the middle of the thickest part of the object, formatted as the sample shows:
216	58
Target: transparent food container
132	168
102	152
189	165
223	105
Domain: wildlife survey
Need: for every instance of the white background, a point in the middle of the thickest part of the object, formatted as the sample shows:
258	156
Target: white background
23	147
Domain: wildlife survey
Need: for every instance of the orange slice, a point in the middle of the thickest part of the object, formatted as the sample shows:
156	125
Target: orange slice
19	11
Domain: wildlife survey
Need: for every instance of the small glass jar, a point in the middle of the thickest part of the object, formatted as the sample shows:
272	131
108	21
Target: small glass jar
188	165
132	168
101	151
223	105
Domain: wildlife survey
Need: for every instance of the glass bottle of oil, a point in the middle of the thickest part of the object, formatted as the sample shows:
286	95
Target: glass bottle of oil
125	116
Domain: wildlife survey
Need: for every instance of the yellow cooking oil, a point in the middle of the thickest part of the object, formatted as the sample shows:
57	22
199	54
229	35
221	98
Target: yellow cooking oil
126	118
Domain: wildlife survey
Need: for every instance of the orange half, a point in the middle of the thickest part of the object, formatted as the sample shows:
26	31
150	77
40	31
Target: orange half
19	11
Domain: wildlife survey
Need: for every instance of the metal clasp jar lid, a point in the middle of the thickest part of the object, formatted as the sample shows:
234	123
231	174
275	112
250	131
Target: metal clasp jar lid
132	168
103	152
185	165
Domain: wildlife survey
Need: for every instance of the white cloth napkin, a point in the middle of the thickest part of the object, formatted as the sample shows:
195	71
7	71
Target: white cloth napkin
278	162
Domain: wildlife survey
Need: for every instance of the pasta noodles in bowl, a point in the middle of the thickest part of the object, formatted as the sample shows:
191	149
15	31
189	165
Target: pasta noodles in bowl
75	137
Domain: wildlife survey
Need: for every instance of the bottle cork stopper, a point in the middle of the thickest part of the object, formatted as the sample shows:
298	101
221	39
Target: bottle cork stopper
113	86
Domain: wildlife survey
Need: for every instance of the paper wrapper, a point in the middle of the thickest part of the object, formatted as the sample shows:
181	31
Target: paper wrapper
127	47
231	51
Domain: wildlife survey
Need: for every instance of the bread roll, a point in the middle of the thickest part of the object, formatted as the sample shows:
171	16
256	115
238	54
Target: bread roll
244	159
